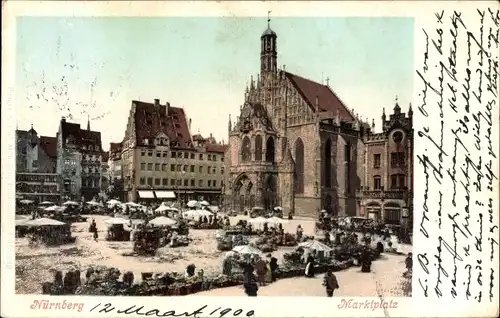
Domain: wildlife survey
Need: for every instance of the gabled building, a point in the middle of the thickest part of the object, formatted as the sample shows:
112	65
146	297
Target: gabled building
36	157
160	160
79	160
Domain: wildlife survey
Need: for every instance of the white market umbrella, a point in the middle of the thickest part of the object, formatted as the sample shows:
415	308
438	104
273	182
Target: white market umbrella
204	203
276	220
162	221
21	219
113	202
43	222
258	220
53	208
71	203
162	208
246	249
47	203
133	204
26	201
278	208
117	221
94	203
316	245
204	213
173	209
192	204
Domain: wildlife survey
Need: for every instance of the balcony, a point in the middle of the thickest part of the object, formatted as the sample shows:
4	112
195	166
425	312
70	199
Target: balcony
397	194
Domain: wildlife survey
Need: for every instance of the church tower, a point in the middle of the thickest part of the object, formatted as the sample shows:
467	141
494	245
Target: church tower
268	53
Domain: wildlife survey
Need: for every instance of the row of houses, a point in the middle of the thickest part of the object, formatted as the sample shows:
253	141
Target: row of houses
158	158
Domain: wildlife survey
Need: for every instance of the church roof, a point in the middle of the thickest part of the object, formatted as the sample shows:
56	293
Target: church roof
268	31
327	99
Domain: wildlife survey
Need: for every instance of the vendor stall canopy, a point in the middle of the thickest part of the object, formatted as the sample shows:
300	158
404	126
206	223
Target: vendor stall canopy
165	194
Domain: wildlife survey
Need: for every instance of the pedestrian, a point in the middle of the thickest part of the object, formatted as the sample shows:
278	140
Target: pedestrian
330	282
409	262
273	265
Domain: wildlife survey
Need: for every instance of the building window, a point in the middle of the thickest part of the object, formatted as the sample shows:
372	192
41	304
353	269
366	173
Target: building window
191	156
174	154
186	155
150	153
200	169
179	182
143	166
165	154
209	184
150	167
157	181
142	181
258	148
377	182
222	170
398	181
150	181
164	182
157	167
172	167
246	150
270	150
347	152
185	168
209	157
299	166
209	170
214	170
158	154
172	182
201	156
397	159
179	167
191	168
222	158
200	183
376	160
192	182
163	167
214	182
186	182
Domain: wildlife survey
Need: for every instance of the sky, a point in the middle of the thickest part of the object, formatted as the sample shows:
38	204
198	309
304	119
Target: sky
94	67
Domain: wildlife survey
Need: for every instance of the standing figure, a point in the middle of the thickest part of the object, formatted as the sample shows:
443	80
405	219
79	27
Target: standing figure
330	282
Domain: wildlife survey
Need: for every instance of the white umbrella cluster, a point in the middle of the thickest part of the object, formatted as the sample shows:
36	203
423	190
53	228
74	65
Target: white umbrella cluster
162	221
246	249
259	221
26	201
55	208
316	245
43	222
196	213
197	204
72	203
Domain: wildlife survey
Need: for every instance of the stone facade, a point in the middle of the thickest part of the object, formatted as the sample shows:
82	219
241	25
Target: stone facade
294	144
388	191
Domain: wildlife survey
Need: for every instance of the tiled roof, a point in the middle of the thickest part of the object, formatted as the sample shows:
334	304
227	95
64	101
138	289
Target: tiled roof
151	119
49	146
115	147
105	156
82	137
327	99
216	148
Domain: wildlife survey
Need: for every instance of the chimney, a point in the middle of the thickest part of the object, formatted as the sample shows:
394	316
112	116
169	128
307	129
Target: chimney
157	102
63	119
190	124
167	108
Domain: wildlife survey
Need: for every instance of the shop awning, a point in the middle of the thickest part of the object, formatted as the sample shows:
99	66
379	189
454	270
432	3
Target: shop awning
146	194
165	194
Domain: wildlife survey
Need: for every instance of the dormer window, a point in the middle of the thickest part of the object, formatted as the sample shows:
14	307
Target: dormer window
90	147
175	118
179	135
177	125
146	141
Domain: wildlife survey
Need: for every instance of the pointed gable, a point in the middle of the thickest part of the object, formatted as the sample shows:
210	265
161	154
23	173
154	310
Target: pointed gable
327	99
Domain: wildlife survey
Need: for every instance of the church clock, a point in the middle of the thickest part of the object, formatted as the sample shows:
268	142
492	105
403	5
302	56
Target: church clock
397	137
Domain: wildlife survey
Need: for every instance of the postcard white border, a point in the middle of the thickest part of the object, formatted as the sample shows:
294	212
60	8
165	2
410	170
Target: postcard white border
19	306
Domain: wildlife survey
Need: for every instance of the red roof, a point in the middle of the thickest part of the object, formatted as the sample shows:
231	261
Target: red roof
105	156
49	146
115	147
82	137
216	148
327	99
151	119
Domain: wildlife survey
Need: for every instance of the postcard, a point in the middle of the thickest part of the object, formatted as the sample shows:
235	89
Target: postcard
250	159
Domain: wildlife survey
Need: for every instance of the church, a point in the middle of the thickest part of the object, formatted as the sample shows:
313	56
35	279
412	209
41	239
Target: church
295	145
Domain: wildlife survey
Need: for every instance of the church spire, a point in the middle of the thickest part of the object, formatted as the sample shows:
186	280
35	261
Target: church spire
268	52
88	122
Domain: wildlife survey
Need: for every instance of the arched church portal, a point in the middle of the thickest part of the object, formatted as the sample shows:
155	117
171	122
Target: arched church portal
270	193
243	193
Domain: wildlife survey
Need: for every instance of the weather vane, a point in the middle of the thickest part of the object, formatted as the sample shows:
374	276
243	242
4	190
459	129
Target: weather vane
268	17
